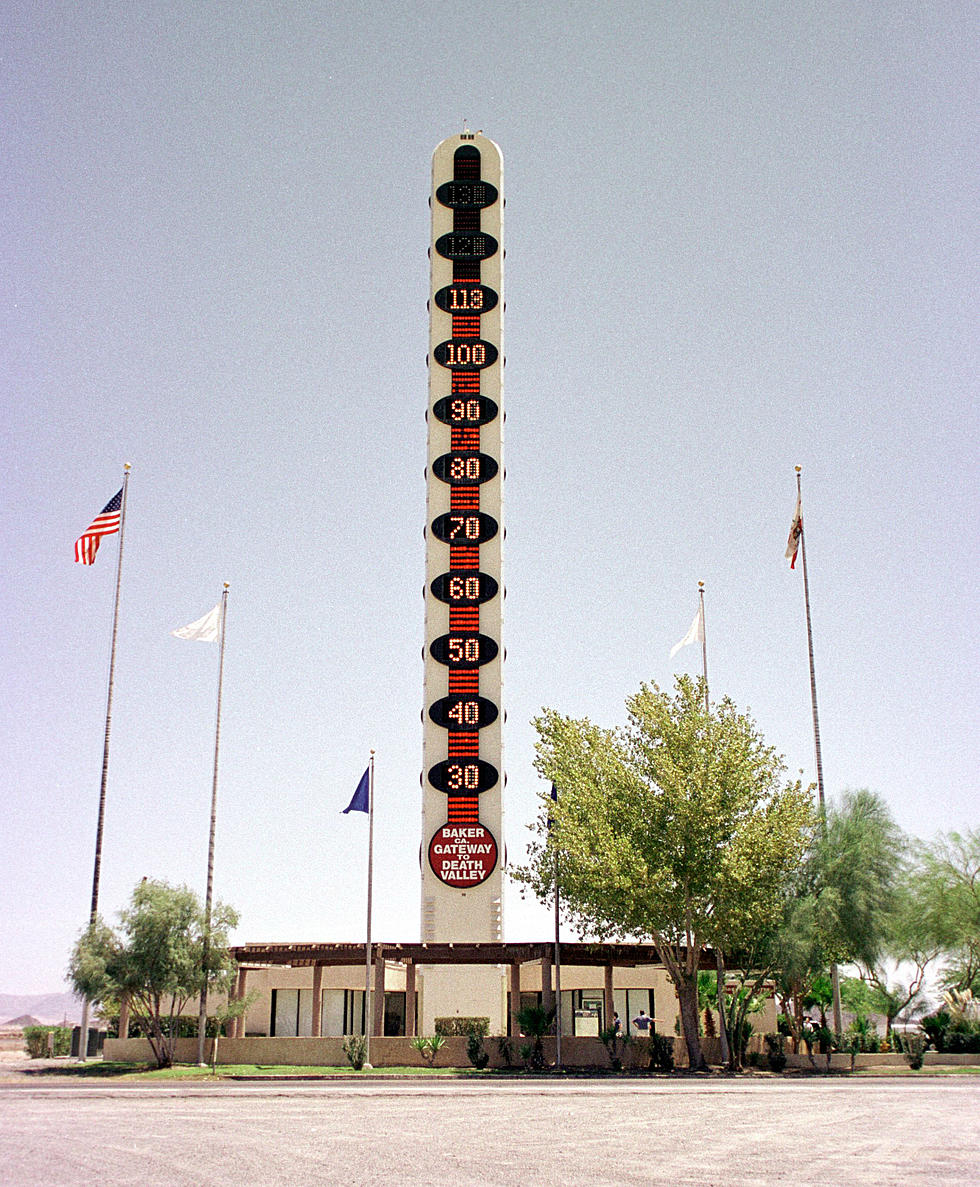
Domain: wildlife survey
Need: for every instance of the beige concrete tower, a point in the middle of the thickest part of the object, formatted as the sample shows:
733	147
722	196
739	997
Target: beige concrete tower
463	776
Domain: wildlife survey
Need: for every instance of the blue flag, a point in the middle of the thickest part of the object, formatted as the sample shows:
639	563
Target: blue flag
360	803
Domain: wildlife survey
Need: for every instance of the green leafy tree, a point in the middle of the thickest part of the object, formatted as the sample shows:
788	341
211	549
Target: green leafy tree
950	895
842	906
857	864
156	959
910	941
857	996
676	827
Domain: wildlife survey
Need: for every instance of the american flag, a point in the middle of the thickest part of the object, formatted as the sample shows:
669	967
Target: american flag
104	524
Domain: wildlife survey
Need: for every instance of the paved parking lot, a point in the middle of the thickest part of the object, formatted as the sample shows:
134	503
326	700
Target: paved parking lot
533	1132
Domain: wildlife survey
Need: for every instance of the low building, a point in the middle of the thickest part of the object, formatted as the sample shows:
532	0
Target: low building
318	990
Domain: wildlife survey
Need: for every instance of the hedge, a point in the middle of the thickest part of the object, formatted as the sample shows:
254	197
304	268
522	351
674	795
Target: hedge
36	1040
477	1027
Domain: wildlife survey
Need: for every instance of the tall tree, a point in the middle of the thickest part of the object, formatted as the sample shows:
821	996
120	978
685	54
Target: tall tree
909	941
950	887
843	906
156	959
857	864
676	827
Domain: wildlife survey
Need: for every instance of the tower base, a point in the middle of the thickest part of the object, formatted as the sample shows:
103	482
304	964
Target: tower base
462	991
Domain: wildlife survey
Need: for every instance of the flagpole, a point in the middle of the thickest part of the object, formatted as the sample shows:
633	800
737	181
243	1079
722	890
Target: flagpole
557	969
719	961
202	1020
704	646
368	1010
97	872
834	974
809	643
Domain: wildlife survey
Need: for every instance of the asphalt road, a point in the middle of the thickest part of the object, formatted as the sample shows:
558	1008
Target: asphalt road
601	1132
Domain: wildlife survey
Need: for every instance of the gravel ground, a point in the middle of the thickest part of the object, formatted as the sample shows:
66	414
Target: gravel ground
686	1130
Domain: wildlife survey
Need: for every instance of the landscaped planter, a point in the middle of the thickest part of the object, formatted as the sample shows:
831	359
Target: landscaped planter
578	1052
866	1059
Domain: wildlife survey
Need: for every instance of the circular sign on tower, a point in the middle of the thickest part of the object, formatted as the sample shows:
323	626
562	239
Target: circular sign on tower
463	855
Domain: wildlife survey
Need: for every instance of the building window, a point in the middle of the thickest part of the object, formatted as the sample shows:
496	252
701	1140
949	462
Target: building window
394	1012
629	1003
528	998
284	1018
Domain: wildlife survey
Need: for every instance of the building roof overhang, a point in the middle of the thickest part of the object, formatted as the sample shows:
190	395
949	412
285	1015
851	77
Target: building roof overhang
300	954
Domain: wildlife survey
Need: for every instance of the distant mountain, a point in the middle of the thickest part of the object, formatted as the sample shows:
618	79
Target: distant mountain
49	1008
21	1022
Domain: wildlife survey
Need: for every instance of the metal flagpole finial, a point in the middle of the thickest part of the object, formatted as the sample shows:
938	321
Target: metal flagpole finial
127	466
701	586
798	469
226	585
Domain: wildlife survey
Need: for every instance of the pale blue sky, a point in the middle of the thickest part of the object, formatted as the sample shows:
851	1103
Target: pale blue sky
739	236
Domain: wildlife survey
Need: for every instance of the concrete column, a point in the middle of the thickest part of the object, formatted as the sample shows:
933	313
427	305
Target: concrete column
547	992
316	1023
124	1016
410	1000
609	1003
378	1023
515	997
239	994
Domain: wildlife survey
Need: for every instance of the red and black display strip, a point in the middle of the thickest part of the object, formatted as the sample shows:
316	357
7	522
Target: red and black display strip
466	167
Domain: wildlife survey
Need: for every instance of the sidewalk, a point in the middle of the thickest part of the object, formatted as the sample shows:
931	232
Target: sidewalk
14	1065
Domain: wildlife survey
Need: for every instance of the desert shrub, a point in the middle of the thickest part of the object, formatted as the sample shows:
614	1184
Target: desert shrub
962	1042
505	1049
915	1045
951	1030
775	1052
615	1043
863	1034
936	1027
428	1046
475	1052
355	1048
661	1053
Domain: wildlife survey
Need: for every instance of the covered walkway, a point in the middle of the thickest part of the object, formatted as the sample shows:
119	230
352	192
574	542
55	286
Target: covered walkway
317	956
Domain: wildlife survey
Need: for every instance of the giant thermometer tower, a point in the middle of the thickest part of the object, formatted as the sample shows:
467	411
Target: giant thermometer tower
462	776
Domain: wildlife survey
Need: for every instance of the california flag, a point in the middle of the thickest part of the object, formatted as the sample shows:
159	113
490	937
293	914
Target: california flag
795	531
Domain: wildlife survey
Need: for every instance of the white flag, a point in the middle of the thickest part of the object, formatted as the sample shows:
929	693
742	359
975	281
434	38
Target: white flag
205	630
694	635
